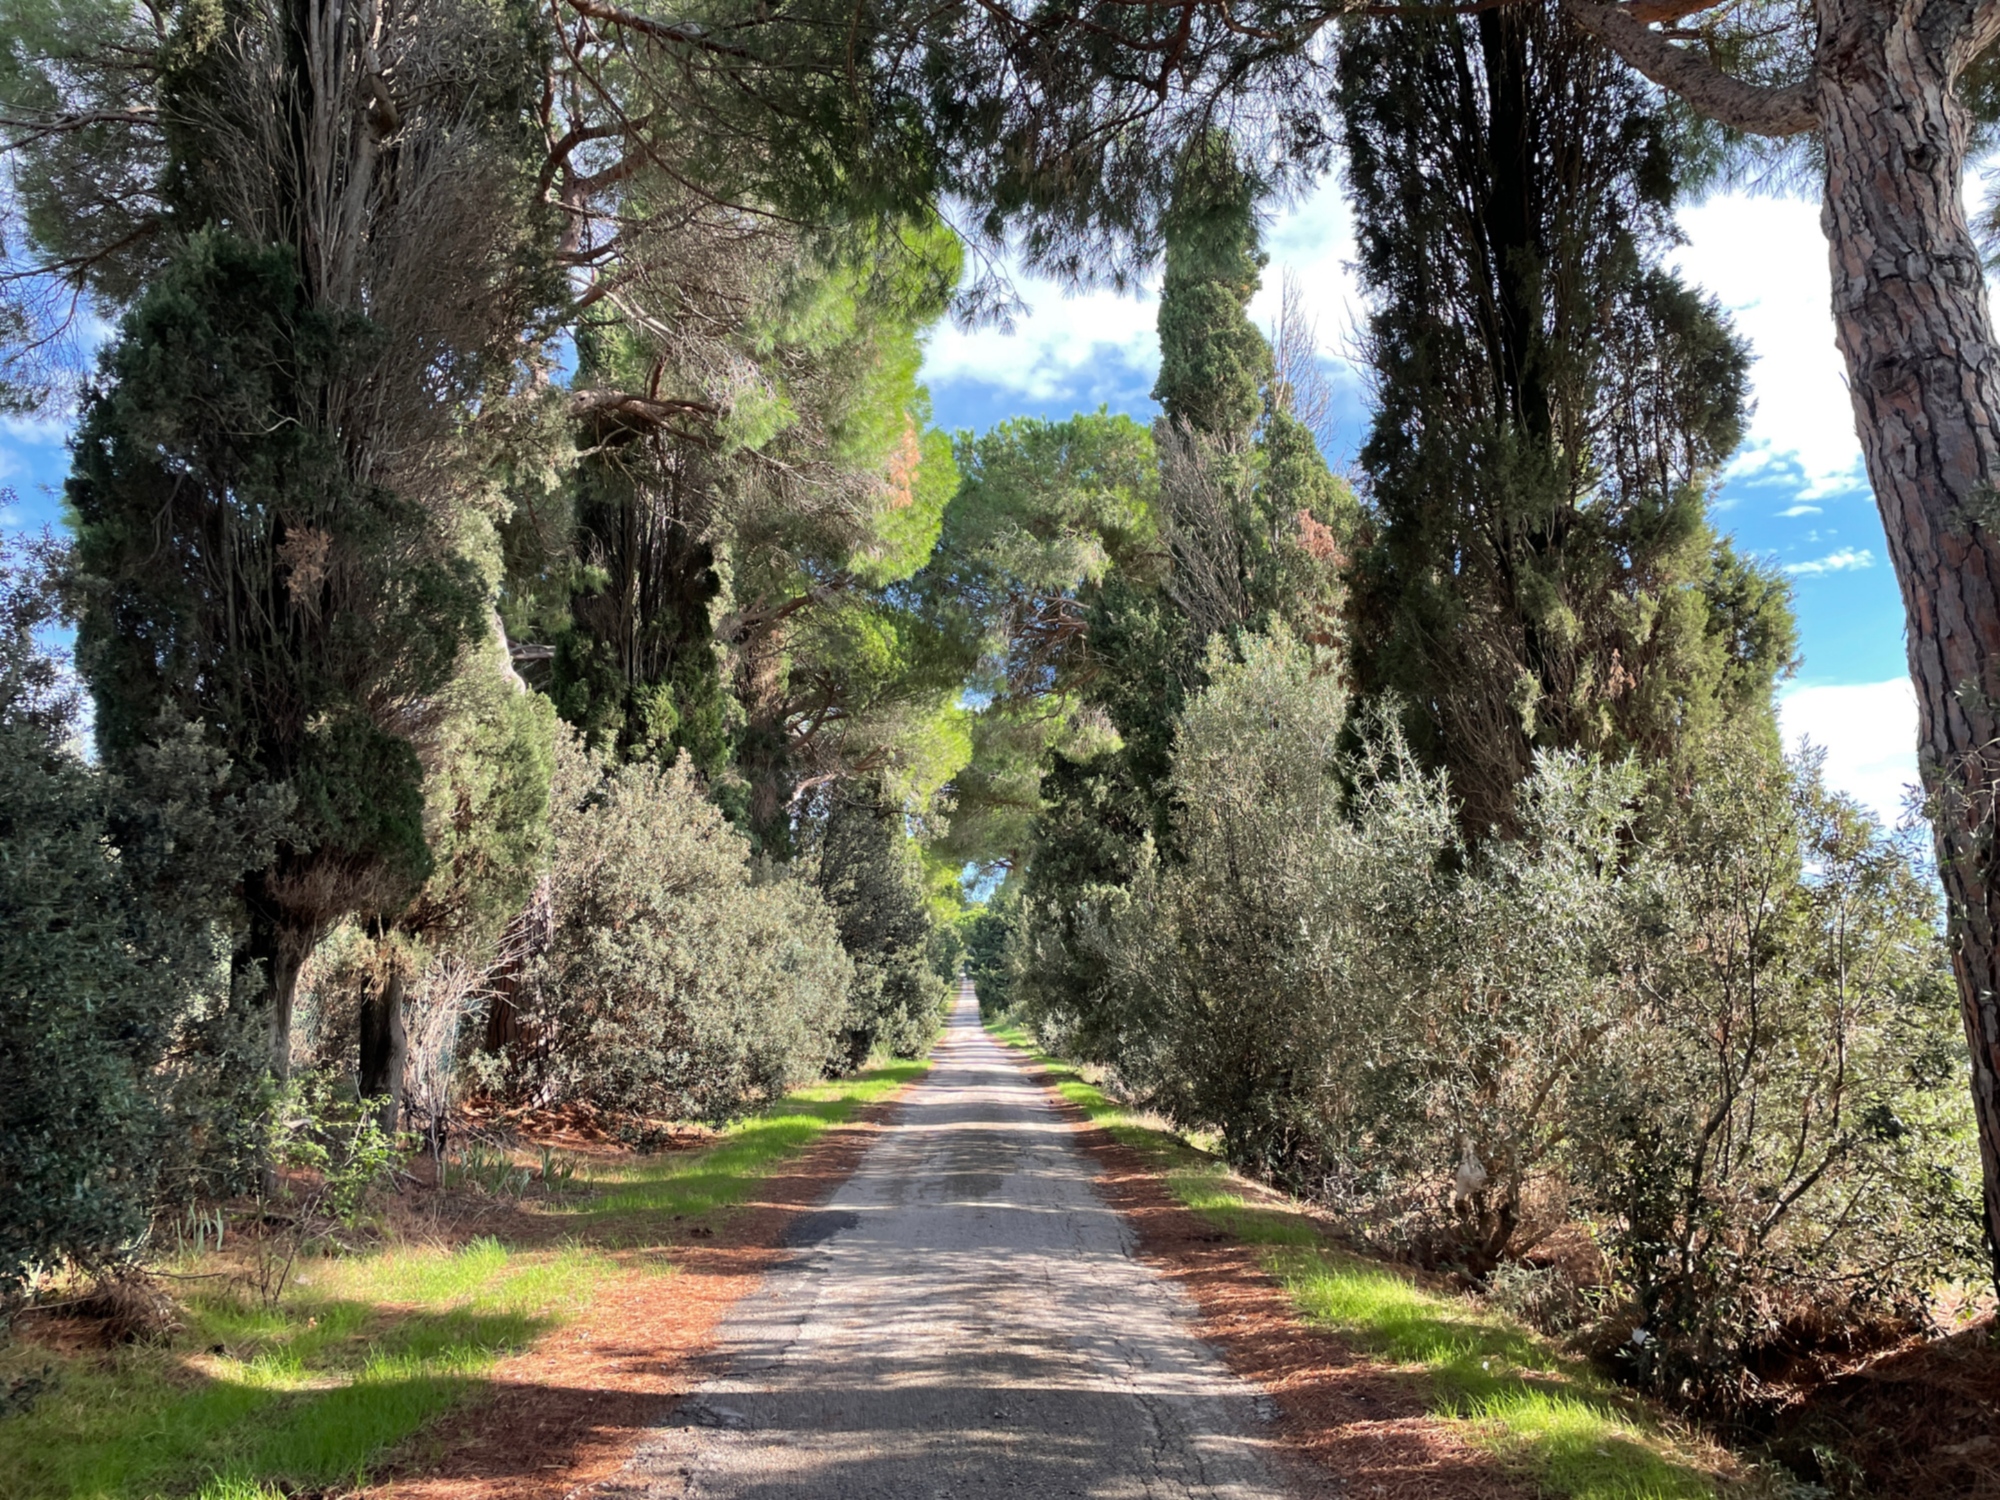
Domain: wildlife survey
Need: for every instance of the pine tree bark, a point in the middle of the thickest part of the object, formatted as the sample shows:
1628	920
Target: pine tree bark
1913	325
1912	322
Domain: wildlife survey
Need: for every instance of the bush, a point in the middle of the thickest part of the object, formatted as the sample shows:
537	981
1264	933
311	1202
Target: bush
1779	1134
673	980
992	949
125	1077
872	879
1711	1024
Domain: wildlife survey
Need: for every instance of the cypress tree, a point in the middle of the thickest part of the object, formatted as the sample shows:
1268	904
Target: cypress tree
1254	529
238	574
1554	405
1214	362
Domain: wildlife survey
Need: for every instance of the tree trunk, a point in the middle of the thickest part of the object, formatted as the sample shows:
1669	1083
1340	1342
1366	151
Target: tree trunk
1911	319
385	1046
275	946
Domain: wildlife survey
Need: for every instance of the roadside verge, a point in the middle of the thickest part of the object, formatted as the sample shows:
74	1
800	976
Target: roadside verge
1396	1388
569	1412
510	1334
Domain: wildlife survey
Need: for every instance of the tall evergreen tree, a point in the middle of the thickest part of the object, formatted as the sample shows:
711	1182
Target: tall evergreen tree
1554	404
285	477
1214	362
1251	529
238	575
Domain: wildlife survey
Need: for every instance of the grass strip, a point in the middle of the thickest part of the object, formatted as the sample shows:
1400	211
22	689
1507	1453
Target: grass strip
1576	1434
695	1183
249	1402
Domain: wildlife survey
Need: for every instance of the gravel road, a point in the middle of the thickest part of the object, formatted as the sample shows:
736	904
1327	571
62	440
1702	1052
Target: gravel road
964	1318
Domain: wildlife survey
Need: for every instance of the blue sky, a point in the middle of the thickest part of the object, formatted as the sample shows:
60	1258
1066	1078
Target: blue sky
1795	494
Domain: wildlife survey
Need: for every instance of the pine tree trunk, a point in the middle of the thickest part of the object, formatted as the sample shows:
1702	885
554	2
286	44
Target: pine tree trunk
1911	318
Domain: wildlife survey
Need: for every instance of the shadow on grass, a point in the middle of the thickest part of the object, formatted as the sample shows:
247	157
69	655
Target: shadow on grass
253	1401
1581	1437
295	1413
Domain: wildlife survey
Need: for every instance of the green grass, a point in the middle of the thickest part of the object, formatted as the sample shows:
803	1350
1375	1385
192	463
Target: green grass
1576	1434
694	1184
304	1394
366	1349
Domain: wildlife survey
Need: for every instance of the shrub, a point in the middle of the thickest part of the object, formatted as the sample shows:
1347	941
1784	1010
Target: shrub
1779	1134
992	949
872	879
1710	1022
122	1076
674	981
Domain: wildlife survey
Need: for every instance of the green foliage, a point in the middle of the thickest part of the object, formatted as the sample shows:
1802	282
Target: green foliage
675	980
871	878
1553	405
1711	1023
1045	514
758	481
120	1083
1251	529
317	1127
1214	364
235	572
1780	1122
489	758
991	956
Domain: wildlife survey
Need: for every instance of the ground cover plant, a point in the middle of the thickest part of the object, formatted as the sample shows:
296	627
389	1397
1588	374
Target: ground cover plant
246	1395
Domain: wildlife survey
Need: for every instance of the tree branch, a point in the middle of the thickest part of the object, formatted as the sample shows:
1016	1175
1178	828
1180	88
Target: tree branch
681	33
1748	107
1982	29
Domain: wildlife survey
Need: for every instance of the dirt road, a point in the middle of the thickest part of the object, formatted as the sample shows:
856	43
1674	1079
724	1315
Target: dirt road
965	1317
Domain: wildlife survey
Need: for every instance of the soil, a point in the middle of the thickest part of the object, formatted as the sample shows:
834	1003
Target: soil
1922	1420
570	1413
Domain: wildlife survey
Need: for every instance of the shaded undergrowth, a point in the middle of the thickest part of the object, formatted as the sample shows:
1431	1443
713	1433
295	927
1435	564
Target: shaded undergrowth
1577	1435
249	1401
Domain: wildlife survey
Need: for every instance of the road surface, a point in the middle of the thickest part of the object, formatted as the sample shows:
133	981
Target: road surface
964	1318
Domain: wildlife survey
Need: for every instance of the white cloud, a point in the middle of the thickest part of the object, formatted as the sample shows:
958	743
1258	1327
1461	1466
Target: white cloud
1051	343
1869	733
1064	336
1846	560
1313	239
1765	260
1800	510
48	428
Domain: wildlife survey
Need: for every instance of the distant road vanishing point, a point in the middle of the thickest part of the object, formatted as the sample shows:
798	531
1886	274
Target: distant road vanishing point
965	1317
